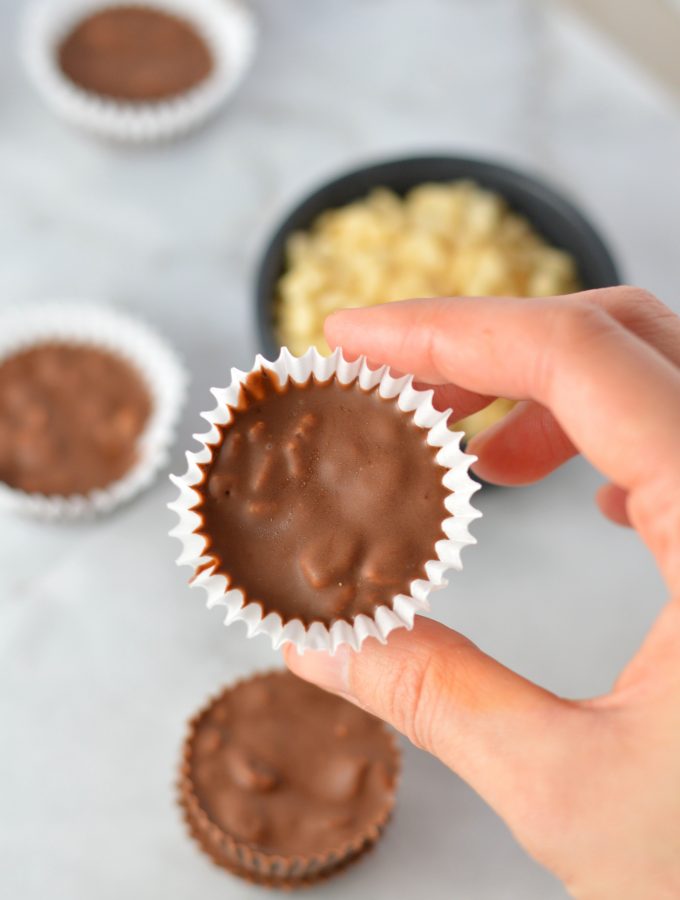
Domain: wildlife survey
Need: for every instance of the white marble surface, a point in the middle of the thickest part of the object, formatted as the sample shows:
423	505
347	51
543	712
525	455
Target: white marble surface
103	650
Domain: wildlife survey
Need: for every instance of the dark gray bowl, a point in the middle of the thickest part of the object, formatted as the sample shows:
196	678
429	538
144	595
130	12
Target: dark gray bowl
553	216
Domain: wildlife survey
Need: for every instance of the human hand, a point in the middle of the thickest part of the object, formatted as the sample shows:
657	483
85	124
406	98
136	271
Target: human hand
590	788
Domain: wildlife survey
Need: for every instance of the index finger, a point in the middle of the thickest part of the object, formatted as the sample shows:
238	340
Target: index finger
616	398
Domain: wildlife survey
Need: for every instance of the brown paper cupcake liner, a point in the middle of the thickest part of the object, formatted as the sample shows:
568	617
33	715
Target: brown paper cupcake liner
213	849
271	869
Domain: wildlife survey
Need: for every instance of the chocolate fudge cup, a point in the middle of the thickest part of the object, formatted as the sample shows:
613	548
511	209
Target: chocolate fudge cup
284	784
89	403
137	71
326	502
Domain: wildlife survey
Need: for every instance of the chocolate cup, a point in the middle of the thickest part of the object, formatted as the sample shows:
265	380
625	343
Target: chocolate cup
266	868
323	634
250	869
227	28
99	327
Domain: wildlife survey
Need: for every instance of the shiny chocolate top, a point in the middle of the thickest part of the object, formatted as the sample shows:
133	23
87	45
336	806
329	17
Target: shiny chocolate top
322	501
134	53
70	418
286	768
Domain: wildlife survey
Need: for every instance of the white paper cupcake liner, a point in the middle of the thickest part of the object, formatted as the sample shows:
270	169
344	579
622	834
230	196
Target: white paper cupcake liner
154	360
226	26
404	607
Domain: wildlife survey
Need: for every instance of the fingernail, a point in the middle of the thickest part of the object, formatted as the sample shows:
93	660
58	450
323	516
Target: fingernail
326	671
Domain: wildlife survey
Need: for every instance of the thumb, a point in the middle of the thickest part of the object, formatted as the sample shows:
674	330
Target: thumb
488	724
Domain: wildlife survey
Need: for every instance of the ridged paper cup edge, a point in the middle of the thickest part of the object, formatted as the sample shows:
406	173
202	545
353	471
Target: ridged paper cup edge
317	636
227	27
163	374
273	869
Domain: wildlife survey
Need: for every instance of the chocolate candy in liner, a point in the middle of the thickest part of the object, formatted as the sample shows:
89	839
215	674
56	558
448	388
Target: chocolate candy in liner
137	73
284	784
327	501
134	53
89	402
70	418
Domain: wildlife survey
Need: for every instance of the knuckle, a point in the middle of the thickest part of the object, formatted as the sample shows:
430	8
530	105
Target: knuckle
629	294
632	305
410	700
579	321
417	700
569	328
655	510
645	313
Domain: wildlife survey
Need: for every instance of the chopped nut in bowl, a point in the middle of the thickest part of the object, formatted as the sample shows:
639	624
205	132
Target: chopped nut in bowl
422	227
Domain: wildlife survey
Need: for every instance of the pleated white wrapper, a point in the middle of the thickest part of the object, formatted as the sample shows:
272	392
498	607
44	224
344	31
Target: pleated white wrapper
404	607
226	26
156	362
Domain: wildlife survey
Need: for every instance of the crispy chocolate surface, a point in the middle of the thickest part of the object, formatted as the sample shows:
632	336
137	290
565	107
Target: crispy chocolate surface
323	501
135	53
288	769
70	418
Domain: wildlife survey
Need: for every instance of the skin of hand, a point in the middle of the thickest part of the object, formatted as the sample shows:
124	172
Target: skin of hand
590	788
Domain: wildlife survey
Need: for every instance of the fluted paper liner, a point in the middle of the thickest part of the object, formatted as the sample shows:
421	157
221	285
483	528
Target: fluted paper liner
135	343
226	26
269	868
317	636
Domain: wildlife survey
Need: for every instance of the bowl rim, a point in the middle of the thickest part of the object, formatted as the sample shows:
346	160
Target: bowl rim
502	177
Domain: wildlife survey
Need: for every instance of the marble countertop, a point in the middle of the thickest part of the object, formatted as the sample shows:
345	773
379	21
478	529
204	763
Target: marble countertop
104	652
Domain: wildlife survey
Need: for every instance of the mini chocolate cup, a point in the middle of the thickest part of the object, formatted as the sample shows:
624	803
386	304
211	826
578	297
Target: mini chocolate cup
318	635
226	26
266	868
101	327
